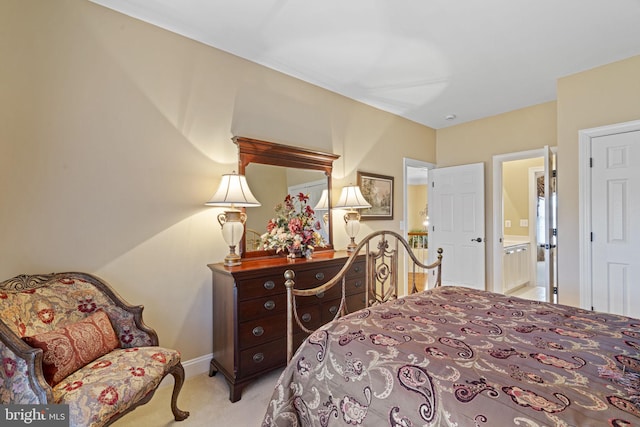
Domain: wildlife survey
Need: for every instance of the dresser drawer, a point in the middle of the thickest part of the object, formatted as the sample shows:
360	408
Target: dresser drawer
330	308
353	286
310	318
311	278
357	269
261	307
263	357
259	331
261	287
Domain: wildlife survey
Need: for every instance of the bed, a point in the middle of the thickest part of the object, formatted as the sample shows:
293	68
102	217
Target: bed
455	356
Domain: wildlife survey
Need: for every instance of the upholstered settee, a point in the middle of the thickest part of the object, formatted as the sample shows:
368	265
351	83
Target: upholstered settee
69	338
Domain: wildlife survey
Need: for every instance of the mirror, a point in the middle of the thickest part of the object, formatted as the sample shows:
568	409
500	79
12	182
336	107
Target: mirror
274	170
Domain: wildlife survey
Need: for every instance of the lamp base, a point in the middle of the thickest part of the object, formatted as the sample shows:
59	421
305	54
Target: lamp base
352	226
232	259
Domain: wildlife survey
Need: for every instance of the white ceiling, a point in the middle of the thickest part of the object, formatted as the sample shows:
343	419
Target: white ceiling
421	59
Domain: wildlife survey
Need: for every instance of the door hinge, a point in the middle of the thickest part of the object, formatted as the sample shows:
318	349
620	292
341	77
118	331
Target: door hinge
590	162
554	173
433	184
555	290
591	236
555	232
591	308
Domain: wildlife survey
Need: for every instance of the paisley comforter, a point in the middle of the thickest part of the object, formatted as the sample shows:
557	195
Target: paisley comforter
454	356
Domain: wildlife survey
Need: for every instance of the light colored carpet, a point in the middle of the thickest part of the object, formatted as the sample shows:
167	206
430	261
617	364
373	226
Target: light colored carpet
207	399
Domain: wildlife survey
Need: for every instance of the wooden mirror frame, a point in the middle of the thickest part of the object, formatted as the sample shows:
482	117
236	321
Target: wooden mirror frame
269	153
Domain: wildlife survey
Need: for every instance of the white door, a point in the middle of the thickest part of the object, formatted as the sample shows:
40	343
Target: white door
456	223
615	209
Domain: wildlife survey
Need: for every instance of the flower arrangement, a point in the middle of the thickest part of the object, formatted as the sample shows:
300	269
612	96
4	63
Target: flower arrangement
294	229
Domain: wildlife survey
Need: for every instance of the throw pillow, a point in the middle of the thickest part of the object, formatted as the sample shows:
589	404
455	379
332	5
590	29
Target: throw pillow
69	348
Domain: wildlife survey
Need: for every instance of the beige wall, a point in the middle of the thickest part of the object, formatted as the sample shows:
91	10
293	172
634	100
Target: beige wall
478	141
113	133
598	97
416	203
515	194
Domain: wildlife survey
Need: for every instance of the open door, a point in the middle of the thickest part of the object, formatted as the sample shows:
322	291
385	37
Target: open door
456	223
548	241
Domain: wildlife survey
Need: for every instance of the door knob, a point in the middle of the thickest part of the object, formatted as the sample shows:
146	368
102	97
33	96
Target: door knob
479	240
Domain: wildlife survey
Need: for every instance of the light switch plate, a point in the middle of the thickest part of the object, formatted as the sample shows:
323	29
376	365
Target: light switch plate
507	224
524	223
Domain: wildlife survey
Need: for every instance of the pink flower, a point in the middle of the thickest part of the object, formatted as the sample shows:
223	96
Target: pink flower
295	225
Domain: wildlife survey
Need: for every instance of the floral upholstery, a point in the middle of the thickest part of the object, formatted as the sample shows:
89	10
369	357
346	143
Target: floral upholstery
62	301
104	387
102	390
14	384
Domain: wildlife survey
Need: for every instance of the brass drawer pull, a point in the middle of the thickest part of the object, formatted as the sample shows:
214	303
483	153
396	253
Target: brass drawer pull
357	269
270	305
306	317
358	284
269	285
258	357
258	331
333	309
320	294
320	276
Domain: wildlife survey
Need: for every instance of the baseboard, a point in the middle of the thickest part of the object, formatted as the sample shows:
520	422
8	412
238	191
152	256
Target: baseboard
192	367
197	366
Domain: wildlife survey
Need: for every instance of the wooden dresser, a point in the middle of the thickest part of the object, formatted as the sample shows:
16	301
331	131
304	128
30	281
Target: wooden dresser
249	311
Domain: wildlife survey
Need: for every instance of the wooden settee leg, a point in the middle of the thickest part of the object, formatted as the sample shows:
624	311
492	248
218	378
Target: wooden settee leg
178	375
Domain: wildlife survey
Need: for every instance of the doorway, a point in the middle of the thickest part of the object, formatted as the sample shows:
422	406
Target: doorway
416	214
609	178
525	230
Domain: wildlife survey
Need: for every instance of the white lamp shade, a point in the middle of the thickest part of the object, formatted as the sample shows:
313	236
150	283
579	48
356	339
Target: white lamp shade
352	198
323	203
233	191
